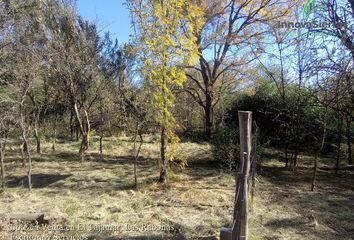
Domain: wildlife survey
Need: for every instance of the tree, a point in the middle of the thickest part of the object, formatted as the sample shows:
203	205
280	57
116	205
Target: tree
7	126
341	16
166	35
335	50
285	62
73	59
139	120
23	55
332	86
334	62
231	30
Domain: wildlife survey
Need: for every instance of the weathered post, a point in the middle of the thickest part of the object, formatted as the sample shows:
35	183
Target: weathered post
245	124
240	217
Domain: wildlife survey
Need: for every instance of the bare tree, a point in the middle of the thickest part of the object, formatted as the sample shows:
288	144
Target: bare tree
73	57
231	30
23	54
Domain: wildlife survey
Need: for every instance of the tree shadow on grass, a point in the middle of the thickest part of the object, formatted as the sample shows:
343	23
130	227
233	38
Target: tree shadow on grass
269	156
303	176
38	180
287	223
205	164
330	203
120	160
282	176
90	158
303	226
56	157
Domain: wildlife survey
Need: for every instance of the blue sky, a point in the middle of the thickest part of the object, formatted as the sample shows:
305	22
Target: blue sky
110	15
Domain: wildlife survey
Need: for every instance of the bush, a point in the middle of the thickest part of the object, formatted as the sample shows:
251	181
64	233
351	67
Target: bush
226	146
344	152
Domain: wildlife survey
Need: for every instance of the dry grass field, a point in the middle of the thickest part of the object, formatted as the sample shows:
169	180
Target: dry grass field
196	201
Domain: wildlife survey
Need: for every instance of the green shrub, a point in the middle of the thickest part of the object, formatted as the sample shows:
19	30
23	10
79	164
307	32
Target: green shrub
344	152
226	146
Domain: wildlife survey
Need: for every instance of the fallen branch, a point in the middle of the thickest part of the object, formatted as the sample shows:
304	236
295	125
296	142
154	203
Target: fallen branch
35	218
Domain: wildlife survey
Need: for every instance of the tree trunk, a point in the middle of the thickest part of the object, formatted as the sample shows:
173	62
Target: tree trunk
87	128
84	130
29	165
318	152
163	162
286	148
54	134
23	151
286	156
83	146
36	135
101	147
71	126
45	130
208	109
349	140
291	160
135	160
101	126
77	133
26	151
136	154
340	127
313	183
296	147
2	158
295	156
110	128
85	137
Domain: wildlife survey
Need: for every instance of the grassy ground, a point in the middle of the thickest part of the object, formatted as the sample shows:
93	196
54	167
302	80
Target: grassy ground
194	204
285	208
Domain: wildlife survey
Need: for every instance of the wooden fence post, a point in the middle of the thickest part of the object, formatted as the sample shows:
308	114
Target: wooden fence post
239	230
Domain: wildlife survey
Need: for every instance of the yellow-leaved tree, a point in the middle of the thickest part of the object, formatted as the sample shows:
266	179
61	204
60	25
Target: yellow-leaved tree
165	32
